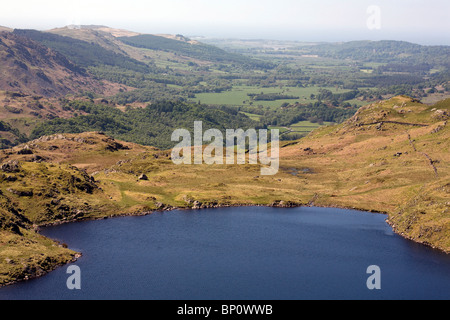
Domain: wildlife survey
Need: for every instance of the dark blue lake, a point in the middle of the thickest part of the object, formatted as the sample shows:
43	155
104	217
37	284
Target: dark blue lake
254	253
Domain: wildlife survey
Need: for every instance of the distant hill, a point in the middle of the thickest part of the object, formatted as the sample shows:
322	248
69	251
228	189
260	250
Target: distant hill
185	47
83	53
107	30
5	29
31	68
93	36
101	45
386	51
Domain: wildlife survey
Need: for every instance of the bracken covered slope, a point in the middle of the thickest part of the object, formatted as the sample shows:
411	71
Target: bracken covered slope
30	68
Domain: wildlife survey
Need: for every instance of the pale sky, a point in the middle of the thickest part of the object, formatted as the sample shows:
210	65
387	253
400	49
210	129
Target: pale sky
420	21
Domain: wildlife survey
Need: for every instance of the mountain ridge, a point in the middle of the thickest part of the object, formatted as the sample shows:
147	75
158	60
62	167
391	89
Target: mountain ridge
30	68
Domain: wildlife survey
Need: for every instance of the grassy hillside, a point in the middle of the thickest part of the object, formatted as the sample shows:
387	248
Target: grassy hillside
47	181
91	35
198	51
83	53
390	157
5	29
29	67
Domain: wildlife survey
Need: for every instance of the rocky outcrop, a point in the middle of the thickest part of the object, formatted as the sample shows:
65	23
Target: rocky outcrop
21	193
10	166
143	177
284	204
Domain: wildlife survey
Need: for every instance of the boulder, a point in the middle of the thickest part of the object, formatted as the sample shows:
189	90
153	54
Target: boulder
21	193
10	166
440	114
37	158
284	204
143	177
197	205
25	150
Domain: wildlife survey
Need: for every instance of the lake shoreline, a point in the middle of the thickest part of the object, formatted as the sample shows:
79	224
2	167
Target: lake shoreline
276	204
260	238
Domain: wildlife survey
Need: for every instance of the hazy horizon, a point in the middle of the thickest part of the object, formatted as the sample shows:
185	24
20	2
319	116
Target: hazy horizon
418	21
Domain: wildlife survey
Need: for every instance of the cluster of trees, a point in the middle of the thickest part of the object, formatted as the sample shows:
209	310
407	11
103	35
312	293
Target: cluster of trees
327	95
14	138
317	112
152	125
421	68
385	52
392	80
314	112
270	96
155	93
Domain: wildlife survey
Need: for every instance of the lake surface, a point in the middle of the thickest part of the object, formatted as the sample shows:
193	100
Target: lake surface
254	253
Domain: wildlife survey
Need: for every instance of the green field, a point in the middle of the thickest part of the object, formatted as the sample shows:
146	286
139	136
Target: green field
281	129
238	96
307	126
253	116
302	127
